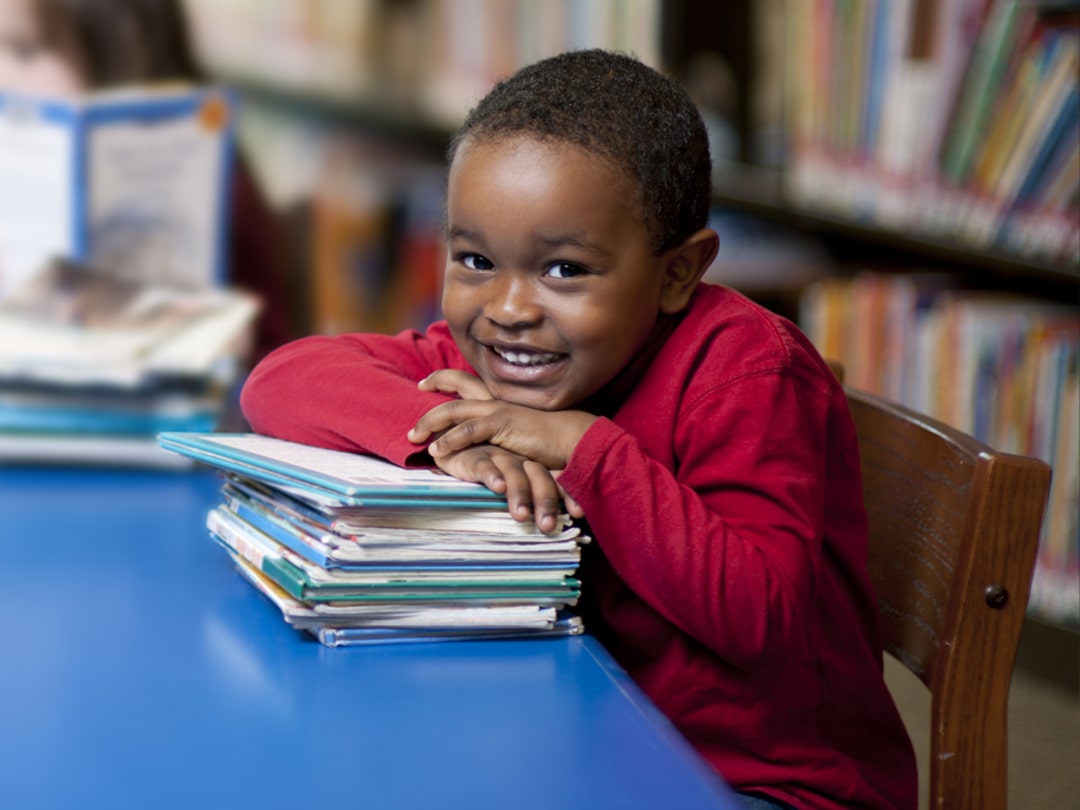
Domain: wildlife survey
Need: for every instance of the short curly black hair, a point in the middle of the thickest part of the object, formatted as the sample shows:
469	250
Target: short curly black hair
615	106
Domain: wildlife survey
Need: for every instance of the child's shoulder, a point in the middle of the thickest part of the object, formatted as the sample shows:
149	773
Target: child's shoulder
725	336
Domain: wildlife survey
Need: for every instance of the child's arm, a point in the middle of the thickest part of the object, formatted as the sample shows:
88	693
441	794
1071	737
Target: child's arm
354	392
728	548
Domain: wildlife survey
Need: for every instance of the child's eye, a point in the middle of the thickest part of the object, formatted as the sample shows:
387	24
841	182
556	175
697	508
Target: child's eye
564	270
474	261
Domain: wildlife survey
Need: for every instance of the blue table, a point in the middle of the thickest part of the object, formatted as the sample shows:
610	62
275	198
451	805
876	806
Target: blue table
139	670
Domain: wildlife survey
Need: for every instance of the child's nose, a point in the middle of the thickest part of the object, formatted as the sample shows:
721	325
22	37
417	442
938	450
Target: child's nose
514	302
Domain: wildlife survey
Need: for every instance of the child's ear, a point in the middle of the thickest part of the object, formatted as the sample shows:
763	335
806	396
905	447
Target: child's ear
683	268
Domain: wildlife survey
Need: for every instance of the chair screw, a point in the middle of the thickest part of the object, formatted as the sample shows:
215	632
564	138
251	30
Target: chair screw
996	596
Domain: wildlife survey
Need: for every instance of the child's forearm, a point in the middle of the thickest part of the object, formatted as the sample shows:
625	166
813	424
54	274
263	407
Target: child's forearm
336	393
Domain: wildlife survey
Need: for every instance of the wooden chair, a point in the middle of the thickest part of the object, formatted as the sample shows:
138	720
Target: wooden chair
954	528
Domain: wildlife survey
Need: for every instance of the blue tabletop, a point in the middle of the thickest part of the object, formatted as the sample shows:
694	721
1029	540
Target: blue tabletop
140	670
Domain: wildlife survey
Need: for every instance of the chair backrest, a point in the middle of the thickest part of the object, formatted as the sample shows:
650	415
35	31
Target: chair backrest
954	528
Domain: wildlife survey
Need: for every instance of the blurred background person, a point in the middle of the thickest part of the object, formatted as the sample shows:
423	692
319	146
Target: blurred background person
67	48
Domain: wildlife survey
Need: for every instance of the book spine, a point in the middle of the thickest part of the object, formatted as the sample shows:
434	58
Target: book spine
987	65
258	549
308	548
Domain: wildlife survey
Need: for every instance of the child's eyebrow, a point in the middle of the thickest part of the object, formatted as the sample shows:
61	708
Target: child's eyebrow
575	241
460	233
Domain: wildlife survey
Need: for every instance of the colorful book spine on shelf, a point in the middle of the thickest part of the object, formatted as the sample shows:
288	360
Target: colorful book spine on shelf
1049	113
959	112
984	74
1001	368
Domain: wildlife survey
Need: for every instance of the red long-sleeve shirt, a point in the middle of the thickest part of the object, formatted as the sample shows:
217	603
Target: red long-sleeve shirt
728	574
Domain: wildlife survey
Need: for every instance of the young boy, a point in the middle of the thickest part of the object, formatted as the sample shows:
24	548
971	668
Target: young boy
703	438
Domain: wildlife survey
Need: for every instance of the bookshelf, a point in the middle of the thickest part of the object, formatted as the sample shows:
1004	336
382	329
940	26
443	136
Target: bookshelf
349	111
760	191
934	148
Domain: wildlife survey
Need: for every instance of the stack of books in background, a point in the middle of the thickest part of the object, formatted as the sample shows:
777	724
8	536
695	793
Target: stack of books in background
355	550
92	368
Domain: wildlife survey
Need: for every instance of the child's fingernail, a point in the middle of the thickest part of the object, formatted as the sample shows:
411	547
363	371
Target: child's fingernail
434	448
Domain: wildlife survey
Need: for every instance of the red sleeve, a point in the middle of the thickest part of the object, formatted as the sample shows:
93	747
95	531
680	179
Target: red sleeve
353	392
728	548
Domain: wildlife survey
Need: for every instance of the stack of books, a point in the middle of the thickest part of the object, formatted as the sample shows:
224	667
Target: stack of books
355	550
92	367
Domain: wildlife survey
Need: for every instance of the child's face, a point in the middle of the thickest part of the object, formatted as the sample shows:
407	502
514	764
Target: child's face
551	285
28	62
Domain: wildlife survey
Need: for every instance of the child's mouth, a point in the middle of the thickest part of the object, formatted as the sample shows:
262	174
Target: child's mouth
526	358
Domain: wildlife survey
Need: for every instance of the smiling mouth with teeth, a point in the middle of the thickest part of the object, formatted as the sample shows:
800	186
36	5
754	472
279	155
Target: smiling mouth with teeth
521	358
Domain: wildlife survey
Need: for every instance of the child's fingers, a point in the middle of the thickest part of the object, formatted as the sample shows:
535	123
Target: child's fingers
459	415
519	496
460	383
488	474
545	496
478	467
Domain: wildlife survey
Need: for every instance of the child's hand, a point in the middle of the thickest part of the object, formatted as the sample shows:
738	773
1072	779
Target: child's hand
530	488
460	383
511	449
547	437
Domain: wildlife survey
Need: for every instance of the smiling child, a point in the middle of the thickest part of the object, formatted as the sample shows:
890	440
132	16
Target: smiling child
701	436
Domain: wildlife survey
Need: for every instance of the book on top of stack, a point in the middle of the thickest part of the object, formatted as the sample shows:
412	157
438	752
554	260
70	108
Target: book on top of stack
355	550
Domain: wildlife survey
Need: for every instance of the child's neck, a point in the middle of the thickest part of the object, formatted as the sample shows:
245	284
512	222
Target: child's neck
610	398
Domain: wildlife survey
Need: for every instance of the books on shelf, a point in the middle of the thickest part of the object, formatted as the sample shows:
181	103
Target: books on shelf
92	367
377	247
965	128
479	42
134	179
433	59
1003	368
355	550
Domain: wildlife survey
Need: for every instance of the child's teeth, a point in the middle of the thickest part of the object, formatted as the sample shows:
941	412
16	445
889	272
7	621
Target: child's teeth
526	359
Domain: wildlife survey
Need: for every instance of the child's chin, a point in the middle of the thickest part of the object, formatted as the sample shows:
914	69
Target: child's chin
538	400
